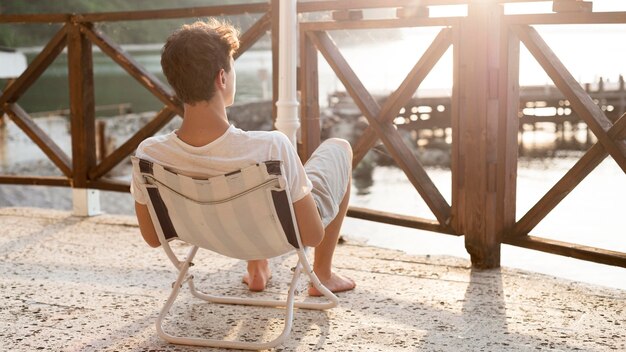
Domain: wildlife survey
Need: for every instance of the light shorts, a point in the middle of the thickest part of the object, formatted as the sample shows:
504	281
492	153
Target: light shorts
329	169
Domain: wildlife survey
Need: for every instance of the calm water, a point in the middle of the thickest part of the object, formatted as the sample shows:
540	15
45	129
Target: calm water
592	214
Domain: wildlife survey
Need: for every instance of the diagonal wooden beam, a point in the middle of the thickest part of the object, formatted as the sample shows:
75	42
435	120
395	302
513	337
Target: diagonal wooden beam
253	34
405	91
152	127
144	77
39	136
579	99
386	130
364	101
47	55
592	158
620	125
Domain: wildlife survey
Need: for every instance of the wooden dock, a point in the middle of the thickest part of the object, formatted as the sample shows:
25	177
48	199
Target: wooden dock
538	105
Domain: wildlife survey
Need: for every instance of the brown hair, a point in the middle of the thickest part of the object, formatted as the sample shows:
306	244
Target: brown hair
193	56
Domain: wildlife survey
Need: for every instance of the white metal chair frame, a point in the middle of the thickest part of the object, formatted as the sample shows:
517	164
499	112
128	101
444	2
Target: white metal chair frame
183	271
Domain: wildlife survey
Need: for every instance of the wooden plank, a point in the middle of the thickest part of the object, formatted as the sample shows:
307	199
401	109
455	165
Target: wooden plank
592	158
579	99
39	64
405	91
572	6
275	12
457	165
253	34
399	220
35	180
160	90
35	18
123	151
387	132
381	23
309	96
413	12
317	6
567	18
105	184
197	12
508	130
82	105
347	15
592	254
39	136
329	5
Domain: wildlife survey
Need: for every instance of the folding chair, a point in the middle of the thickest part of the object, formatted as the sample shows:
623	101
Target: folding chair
246	214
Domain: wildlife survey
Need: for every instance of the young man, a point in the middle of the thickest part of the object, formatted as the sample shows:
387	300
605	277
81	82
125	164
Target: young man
197	61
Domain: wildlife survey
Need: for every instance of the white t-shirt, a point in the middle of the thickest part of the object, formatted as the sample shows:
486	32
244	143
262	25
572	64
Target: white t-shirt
232	151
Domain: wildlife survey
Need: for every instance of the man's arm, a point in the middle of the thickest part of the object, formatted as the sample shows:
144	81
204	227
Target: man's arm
145	225
309	222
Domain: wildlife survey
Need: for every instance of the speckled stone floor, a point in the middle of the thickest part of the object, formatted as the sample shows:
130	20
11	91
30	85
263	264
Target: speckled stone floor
91	284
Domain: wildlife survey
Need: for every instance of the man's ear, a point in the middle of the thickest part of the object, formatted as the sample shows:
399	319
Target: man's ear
221	78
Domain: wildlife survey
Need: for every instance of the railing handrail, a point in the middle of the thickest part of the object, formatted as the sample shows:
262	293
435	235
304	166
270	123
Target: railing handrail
222	10
205	11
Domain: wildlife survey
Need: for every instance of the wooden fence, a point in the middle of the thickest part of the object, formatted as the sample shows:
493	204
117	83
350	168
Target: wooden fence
485	100
79	35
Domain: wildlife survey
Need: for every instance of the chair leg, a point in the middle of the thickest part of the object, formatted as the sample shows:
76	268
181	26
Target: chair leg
304	265
184	268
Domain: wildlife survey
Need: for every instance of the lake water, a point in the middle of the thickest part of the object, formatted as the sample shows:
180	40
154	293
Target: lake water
592	214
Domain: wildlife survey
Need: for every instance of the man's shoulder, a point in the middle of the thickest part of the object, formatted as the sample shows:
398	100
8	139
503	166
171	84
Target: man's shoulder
269	137
265	134
152	142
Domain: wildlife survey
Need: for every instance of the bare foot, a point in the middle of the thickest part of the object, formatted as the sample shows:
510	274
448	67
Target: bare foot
336	283
258	274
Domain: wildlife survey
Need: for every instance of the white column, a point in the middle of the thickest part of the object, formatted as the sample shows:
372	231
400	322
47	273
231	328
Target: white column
86	202
287	106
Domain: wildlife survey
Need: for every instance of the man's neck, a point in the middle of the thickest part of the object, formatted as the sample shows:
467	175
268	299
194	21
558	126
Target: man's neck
203	123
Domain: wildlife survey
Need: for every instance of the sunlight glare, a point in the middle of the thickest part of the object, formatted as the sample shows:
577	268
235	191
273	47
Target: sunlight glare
447	11
528	8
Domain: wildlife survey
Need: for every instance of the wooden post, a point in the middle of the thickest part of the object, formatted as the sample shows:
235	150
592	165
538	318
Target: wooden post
309	89
622	101
82	115
485	149
101	140
275	8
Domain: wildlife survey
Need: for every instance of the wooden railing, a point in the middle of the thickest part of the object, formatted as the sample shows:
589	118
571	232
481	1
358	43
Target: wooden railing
79	35
484	110
485	121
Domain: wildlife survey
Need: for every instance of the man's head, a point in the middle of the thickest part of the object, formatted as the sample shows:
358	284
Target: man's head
196	56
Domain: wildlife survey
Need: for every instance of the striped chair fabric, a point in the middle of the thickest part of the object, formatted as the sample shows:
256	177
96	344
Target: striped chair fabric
245	214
